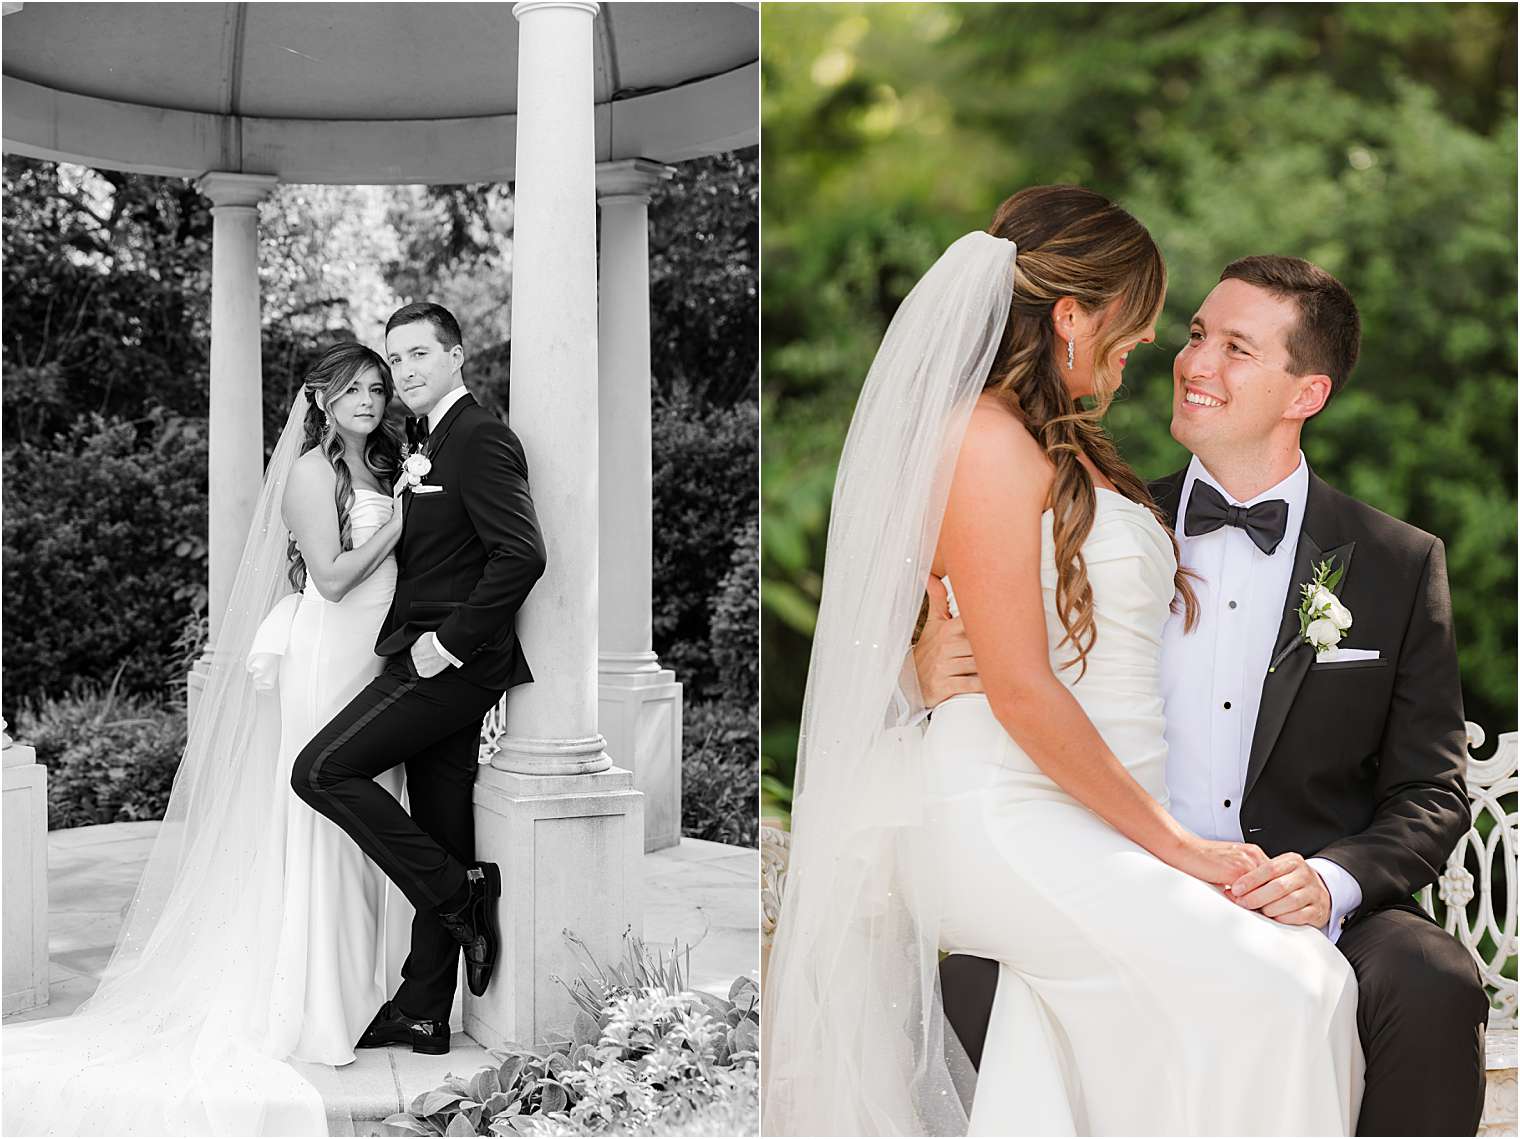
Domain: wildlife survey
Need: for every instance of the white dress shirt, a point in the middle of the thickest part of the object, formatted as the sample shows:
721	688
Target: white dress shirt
433	418
441	408
1211	678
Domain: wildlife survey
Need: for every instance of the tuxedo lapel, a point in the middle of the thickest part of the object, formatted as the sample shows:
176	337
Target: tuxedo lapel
436	436
1318	539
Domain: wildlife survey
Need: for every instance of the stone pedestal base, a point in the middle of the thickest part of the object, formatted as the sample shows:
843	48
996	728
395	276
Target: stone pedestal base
25	880
640	715
570	848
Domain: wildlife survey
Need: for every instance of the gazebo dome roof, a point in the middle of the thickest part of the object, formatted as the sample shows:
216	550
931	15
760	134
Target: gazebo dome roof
356	93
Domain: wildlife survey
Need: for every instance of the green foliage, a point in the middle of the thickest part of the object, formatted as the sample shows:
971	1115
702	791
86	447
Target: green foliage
718	793
111	756
646	1056
104	552
1377	141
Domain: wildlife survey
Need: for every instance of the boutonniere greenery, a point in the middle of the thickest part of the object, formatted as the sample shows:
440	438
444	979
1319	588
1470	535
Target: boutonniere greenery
1322	619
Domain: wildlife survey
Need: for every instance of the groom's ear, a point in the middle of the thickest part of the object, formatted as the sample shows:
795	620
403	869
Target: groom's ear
1313	393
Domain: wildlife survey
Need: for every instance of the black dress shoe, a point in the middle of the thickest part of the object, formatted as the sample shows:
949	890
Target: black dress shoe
390	1027
473	925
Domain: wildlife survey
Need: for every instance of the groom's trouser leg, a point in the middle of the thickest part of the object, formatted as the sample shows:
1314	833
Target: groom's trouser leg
967	986
1421	1010
441	790
394	719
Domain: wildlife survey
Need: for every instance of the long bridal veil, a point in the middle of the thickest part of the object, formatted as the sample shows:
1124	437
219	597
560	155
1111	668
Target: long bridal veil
853	1027
174	1039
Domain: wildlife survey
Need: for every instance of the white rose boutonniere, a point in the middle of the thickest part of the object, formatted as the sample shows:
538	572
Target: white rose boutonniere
1322	619
414	469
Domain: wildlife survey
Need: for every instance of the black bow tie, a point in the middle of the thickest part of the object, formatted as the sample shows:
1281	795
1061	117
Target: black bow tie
416	430
1207	511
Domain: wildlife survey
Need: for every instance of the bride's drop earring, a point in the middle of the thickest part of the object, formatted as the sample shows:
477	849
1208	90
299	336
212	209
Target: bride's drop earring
1071	354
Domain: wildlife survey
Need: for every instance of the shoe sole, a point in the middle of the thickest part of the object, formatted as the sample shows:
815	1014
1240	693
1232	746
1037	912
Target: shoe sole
493	938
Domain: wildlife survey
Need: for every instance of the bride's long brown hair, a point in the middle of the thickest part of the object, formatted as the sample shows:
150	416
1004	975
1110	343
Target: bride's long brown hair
1075	243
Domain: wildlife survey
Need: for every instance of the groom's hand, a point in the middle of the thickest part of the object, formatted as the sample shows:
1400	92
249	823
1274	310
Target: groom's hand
1285	889
426	658
942	657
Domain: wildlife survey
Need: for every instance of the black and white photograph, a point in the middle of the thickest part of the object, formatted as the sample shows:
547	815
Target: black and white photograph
380	592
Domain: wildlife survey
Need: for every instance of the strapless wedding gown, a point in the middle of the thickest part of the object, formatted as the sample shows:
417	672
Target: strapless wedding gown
208	1055
1132	999
344	931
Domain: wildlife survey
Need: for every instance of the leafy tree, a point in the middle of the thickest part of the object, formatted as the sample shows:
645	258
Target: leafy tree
1376	140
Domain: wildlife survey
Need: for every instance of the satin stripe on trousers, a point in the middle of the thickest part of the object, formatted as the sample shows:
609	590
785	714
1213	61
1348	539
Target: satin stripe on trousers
432	726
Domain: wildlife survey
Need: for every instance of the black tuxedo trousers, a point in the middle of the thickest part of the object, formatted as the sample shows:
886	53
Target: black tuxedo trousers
434	723
1361	764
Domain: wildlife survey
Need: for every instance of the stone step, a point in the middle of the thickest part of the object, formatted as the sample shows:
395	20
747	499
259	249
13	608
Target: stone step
383	1081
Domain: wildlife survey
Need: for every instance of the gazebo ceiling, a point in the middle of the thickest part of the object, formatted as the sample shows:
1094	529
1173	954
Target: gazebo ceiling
357	93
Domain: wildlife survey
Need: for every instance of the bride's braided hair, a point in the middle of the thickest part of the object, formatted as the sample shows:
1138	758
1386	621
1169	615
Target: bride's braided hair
330	377
1075	243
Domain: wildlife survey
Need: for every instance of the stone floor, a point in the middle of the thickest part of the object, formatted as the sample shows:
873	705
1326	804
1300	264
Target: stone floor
701	894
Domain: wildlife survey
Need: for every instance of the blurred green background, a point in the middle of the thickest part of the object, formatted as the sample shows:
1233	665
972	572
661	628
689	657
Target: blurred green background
1377	140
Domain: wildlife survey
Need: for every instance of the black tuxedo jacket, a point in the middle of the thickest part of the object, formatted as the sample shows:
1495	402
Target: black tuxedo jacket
1361	762
470	552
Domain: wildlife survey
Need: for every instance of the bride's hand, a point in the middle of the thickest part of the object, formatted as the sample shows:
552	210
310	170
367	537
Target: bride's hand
1218	863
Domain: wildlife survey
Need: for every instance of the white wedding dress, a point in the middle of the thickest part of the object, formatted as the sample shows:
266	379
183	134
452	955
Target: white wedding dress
196	1039
335	962
1132	999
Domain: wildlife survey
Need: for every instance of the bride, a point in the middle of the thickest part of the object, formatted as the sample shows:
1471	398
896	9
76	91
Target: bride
254	952
1028	825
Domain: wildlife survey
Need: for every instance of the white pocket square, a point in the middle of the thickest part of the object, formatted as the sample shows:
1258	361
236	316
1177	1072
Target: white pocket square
427	488
1335	656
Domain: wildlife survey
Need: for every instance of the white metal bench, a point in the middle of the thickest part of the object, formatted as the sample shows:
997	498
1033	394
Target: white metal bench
1476	893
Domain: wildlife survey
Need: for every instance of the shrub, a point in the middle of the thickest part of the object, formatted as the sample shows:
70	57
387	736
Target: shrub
735	636
719	795
111	756
647	1056
705	491
104	552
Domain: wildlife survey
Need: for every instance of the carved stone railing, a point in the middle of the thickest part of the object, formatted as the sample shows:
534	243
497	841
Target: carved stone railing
1476	892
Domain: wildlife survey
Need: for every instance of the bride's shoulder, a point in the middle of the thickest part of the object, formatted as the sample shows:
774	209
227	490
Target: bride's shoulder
998	444
311	478
313	468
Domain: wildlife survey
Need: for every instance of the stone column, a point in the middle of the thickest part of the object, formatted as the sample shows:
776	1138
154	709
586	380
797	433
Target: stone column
236	444
564	824
639	702
25	943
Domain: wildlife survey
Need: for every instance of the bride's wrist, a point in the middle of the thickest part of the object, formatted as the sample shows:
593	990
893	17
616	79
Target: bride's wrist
1176	844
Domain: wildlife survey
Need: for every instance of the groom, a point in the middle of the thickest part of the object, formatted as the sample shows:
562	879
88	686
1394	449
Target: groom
1347	769
470	551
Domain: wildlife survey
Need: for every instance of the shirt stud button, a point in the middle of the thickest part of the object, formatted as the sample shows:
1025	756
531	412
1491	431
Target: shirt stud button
1226	705
1232	605
1226	802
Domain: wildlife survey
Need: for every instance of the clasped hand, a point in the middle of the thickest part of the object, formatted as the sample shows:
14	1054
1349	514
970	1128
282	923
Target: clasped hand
1286	888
